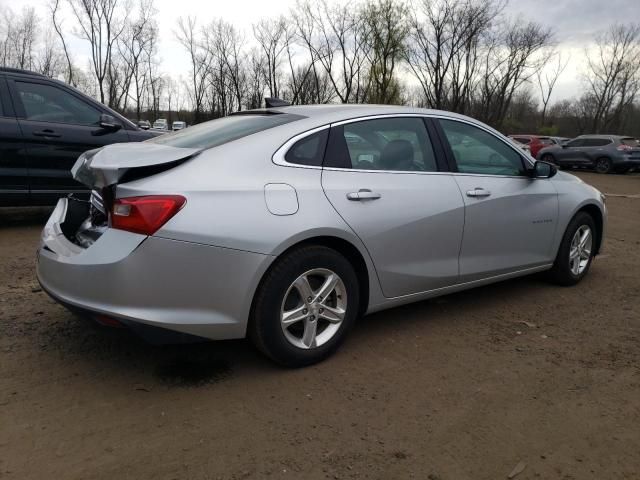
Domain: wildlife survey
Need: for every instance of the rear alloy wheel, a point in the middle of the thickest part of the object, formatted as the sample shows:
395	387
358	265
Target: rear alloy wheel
305	306
313	308
603	165
576	251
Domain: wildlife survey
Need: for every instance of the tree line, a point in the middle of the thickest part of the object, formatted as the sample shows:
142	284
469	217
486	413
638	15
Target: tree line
465	56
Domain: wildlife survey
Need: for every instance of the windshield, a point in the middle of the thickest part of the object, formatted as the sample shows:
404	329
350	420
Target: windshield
216	132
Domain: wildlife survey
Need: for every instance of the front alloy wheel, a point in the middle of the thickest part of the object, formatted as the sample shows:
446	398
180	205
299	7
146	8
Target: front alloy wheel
576	251
580	251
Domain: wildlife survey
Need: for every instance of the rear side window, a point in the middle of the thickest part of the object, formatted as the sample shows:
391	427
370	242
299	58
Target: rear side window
309	150
631	142
387	144
524	140
223	130
596	142
477	151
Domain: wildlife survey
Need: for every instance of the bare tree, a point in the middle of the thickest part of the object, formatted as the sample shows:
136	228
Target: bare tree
200	62
54	7
227	78
442	46
19	37
271	35
510	60
546	79
255	79
335	37
387	28
136	43
613	76
100	22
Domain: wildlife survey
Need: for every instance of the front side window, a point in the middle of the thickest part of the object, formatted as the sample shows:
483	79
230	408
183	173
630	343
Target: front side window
387	144
576	142
47	103
477	151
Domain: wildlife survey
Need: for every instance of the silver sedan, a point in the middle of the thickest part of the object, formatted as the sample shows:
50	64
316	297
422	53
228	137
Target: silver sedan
287	224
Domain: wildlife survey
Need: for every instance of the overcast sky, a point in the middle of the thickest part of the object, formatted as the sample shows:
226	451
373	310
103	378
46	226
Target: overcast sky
575	23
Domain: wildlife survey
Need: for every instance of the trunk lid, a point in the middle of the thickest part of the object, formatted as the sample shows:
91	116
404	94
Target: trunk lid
106	166
101	170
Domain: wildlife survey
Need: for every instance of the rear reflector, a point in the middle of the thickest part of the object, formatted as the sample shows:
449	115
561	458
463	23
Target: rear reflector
146	214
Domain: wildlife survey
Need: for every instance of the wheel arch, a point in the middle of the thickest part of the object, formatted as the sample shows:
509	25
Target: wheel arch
341	245
594	211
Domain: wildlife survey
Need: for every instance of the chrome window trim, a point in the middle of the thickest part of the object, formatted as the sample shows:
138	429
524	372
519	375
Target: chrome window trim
279	156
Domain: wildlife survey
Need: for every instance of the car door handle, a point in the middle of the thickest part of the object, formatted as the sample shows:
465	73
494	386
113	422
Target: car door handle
46	133
478	192
363	194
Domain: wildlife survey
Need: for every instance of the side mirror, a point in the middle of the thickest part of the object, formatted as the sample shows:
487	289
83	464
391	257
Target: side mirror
109	123
543	170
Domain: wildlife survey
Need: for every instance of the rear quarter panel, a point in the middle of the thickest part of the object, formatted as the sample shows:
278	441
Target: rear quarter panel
226	207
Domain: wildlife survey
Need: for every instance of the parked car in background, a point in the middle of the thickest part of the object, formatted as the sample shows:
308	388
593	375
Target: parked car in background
521	146
44	126
334	211
534	142
161	124
604	153
178	125
144	124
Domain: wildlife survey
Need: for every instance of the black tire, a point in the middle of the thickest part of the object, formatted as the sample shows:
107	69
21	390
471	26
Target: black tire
561	272
265	329
603	165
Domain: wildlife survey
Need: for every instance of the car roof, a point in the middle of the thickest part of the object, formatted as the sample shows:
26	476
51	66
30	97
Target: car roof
331	113
20	71
608	137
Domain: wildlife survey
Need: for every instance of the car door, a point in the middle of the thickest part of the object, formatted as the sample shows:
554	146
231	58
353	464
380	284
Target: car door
57	126
14	178
571	153
510	218
383	177
593	149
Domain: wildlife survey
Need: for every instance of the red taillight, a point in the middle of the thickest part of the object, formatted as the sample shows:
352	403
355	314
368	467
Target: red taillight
145	215
624	148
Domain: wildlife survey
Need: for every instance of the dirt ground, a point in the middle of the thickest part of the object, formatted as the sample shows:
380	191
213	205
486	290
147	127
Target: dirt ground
466	386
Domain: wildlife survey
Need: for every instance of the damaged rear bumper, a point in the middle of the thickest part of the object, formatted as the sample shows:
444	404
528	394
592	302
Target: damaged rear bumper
184	287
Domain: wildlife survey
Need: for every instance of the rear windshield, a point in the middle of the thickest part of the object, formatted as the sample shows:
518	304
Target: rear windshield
632	142
223	130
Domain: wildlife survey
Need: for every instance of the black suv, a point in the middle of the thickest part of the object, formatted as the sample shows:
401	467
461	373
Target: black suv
44	126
